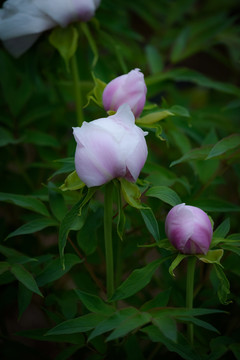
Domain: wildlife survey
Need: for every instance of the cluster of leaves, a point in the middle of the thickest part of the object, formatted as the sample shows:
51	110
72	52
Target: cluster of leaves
52	273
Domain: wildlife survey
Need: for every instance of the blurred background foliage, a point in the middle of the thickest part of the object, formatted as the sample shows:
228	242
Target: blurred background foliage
189	52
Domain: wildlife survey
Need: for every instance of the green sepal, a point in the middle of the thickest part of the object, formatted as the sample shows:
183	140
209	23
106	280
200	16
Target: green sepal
176	262
131	194
153	117
72	182
96	93
212	257
65	40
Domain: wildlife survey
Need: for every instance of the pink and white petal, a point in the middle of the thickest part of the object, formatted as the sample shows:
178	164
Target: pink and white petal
20	45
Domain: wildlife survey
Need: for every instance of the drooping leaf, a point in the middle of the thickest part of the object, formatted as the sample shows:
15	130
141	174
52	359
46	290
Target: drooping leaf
151	223
198	322
224	145
33	226
194	154
224	286
165	194
25	278
27	202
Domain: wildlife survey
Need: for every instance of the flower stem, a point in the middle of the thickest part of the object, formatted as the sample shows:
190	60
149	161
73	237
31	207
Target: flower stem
189	293
77	90
108	213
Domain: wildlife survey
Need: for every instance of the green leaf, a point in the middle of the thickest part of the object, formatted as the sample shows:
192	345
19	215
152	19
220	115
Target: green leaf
224	145
235	347
33	226
194	154
137	280
165	194
160	300
167	325
198	322
129	324
25	278
183	349
6	137
223	229
154	59
40	138
4	266
80	324
65	40
212	257
176	262
179	312
94	304
215	205
121	219
24	299
54	270
56	202
70	221
39	334
131	193
72	182
91	42
151	223
234	249
224	286
113	321
26	202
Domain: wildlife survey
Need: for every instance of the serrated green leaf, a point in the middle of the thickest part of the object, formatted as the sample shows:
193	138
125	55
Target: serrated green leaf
25	278
151	223
72	182
33	226
165	194
78	325
137	280
224	145
27	202
65	40
176	262
94	304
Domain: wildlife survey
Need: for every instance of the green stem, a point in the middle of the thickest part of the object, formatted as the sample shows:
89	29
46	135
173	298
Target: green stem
108	213
189	292
77	90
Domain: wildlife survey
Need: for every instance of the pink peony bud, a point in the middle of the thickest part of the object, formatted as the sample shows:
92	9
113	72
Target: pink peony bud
126	89
23	21
110	147
189	229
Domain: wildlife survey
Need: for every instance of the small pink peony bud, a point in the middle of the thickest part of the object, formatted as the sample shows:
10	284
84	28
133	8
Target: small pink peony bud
189	229
110	147
126	89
